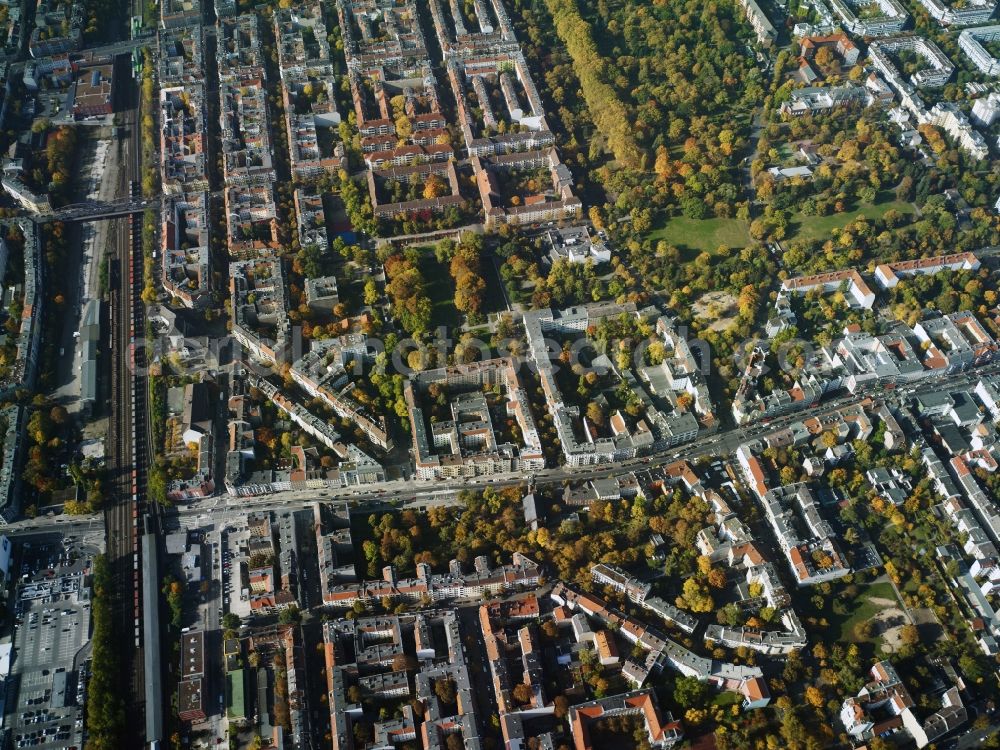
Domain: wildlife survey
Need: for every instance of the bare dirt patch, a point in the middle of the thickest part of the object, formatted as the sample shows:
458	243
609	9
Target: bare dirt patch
888	623
717	307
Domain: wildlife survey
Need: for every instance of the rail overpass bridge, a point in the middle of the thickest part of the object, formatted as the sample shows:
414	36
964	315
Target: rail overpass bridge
97	210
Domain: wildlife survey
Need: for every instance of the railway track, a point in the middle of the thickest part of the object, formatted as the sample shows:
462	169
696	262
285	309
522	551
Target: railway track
129	436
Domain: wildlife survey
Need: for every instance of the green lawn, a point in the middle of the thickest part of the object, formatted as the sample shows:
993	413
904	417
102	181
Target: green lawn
860	610
697	235
440	289
494	301
725	699
819	227
785	151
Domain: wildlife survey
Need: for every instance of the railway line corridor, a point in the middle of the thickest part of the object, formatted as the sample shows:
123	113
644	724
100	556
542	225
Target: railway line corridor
129	437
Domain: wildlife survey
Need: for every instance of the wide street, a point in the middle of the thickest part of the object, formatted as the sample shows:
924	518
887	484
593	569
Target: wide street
423	493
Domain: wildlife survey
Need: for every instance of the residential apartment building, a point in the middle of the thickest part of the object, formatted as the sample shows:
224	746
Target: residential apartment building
884	707
58	28
986	109
955	342
308	92
321	374
888	275
13	420
466	445
871	18
23	371
960	14
660	651
185	264
617	579
554	205
661	730
840	43
856	290
948	117
814	99
483	580
248	170
765	31
971	42
806	538
182	133
310	218
175	13
937	69
260	314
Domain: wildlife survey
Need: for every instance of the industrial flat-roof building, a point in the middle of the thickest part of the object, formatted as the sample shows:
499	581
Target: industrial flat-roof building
90	336
151	639
93	93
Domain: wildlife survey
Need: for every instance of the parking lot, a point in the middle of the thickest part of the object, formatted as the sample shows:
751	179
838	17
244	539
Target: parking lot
48	687
48	661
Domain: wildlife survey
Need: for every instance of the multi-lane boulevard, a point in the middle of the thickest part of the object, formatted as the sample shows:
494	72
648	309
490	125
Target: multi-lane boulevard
423	493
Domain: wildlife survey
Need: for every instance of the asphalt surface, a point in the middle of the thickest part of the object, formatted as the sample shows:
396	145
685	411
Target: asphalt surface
423	493
51	636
